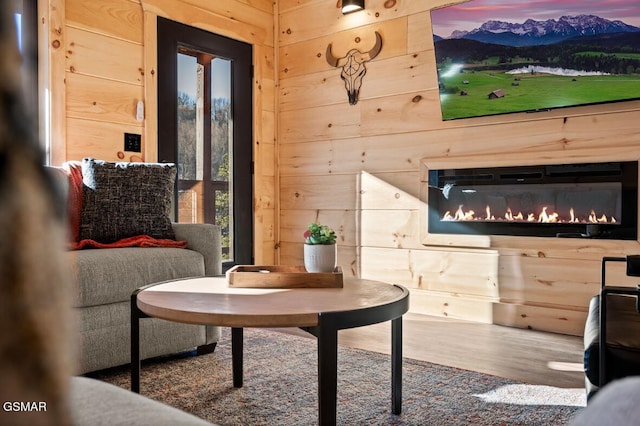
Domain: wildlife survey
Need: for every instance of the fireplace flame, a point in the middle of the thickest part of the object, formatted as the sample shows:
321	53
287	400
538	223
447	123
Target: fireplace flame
462	215
509	216
601	219
489	215
543	217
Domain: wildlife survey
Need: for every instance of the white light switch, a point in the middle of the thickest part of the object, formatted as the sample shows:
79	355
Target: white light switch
140	111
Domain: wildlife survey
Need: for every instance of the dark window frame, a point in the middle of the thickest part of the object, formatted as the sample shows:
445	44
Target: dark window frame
29	31
171	36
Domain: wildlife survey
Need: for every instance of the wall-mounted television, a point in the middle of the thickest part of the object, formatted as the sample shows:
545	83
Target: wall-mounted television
506	56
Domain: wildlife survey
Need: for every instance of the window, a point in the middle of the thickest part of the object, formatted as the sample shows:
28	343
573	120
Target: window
205	127
26	19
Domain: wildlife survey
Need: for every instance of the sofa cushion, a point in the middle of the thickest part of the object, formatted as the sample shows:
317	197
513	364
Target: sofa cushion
105	337
108	276
95	403
623	339
122	200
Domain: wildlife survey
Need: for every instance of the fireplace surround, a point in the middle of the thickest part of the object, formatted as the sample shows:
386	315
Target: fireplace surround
586	200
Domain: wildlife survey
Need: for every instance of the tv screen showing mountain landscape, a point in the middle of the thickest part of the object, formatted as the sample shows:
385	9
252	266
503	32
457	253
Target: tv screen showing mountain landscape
504	56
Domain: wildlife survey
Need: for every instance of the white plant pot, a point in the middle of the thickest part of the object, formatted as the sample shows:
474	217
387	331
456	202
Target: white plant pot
320	257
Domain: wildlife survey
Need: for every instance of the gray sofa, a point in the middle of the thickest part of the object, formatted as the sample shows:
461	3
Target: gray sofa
105	280
96	403
107	277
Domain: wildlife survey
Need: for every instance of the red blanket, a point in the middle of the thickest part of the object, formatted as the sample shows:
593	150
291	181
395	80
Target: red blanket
74	200
74	207
137	241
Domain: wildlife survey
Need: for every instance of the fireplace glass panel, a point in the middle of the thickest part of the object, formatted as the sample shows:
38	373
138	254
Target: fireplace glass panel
597	200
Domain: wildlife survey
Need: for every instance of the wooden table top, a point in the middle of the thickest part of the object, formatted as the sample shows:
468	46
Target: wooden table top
209	300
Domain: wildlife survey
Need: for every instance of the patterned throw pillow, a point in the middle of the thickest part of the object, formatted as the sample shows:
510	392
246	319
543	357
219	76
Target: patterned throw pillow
122	200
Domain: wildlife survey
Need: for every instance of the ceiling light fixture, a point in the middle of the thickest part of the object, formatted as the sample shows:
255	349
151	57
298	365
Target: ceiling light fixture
349	6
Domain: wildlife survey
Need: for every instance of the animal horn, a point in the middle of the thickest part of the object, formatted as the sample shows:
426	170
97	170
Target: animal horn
331	60
376	47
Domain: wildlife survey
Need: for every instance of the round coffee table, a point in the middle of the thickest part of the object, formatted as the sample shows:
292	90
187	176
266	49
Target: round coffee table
319	311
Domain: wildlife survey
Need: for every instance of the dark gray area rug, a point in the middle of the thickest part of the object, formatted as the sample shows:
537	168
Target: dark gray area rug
280	388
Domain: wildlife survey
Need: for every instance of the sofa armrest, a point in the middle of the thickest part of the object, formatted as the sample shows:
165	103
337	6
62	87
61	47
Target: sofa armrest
205	239
93	402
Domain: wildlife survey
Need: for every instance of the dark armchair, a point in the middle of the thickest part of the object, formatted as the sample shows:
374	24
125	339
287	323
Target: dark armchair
612	330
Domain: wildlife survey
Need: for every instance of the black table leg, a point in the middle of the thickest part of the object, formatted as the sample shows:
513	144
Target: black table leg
327	373
396	365
236	355
135	344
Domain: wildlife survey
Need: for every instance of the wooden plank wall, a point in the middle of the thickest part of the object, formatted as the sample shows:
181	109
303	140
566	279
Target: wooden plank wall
358	169
102	62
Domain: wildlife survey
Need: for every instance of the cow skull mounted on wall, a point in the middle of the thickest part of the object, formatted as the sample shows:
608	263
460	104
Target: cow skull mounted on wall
353	69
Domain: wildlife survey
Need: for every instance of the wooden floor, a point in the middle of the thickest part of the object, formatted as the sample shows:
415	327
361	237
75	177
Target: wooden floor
529	356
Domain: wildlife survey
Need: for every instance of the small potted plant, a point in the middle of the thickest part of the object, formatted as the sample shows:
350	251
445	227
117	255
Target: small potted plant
319	248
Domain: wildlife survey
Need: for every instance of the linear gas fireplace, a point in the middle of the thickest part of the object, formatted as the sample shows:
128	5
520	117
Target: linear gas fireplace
591	200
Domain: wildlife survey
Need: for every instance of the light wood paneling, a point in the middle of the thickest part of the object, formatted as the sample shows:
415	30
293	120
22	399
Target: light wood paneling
343	222
100	140
108	49
565	321
389	190
330	151
94	54
328	19
540	281
307	90
255	12
419	36
473	273
354	167
319	192
98	99
373	154
150	148
116	18
264	5
554	138
390	228
309	56
407	112
452	306
401	74
329	122
53	19
218	18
